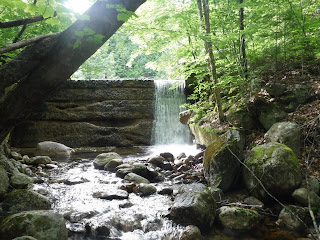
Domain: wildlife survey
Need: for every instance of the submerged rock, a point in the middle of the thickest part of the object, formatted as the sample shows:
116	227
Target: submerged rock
112	194
194	205
42	225
102	159
238	219
276	166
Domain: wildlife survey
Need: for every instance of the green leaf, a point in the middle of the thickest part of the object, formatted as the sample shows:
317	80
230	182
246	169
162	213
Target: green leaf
31	9
77	44
53	21
88	32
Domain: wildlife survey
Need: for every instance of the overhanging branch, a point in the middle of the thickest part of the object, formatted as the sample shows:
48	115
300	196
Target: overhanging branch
20	22
24	43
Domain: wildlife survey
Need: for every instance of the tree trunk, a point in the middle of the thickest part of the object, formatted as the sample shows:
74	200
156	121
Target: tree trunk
243	55
208	47
56	59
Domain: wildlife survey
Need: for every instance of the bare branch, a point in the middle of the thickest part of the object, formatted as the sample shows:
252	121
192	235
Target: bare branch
24	43
21	22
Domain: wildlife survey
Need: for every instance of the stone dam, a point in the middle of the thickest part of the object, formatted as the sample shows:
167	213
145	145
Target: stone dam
92	113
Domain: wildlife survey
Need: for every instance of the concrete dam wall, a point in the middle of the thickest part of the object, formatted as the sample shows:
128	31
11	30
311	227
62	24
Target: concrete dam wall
92	113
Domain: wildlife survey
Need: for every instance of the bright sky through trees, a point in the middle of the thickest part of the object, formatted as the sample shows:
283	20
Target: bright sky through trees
78	6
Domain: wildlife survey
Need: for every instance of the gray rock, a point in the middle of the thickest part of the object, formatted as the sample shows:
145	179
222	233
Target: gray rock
19	180
111	166
102	159
132	177
112	194
220	166
144	171
270	114
254	202
42	225
166	191
157	161
238	219
194	205
185	116
54	150
287	133
300	195
122	172
289	218
313	184
16	156
4	182
276	166
241	119
24	200
217	193
144	189
39	160
10	165
191	233
73	180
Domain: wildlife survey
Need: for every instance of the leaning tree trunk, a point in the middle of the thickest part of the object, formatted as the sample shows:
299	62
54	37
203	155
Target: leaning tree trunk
243	55
46	65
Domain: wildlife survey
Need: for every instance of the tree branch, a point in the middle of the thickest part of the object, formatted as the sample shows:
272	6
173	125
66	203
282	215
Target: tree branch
20	22
24	43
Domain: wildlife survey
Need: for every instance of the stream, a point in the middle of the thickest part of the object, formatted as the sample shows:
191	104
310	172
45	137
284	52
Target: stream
72	185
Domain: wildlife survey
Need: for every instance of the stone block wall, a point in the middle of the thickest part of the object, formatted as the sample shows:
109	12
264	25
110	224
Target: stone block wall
92	113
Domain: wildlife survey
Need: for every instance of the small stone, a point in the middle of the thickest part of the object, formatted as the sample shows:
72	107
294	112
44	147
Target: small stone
167	156
102	159
300	195
157	161
75	180
166	191
113	164
16	156
38	160
112	195
144	189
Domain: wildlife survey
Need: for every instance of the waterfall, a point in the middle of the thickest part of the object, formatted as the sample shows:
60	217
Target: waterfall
167	129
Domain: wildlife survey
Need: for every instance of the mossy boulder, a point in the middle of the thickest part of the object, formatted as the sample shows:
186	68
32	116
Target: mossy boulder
276	166
290	218
42	225
102	159
20	181
202	135
4	182
287	133
238	219
194	205
24	200
221	161
241	118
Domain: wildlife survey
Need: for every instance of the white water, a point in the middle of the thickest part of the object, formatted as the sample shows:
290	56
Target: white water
168	100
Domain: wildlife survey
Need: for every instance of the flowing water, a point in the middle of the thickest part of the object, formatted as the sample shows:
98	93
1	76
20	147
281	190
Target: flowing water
71	186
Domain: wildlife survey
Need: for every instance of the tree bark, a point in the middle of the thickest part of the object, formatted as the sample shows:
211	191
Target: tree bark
243	55
208	47
24	43
20	22
59	59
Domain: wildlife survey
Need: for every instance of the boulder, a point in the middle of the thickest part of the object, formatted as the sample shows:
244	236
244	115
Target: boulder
221	166
24	200
144	171
202	135
144	189
53	149
24	238
4	182
287	133
10	165
241	118
132	177
236	219
270	114
42	225
290	216
111	166
300	195
191	233
194	205
313	184
276	166
19	180
102	159
167	156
